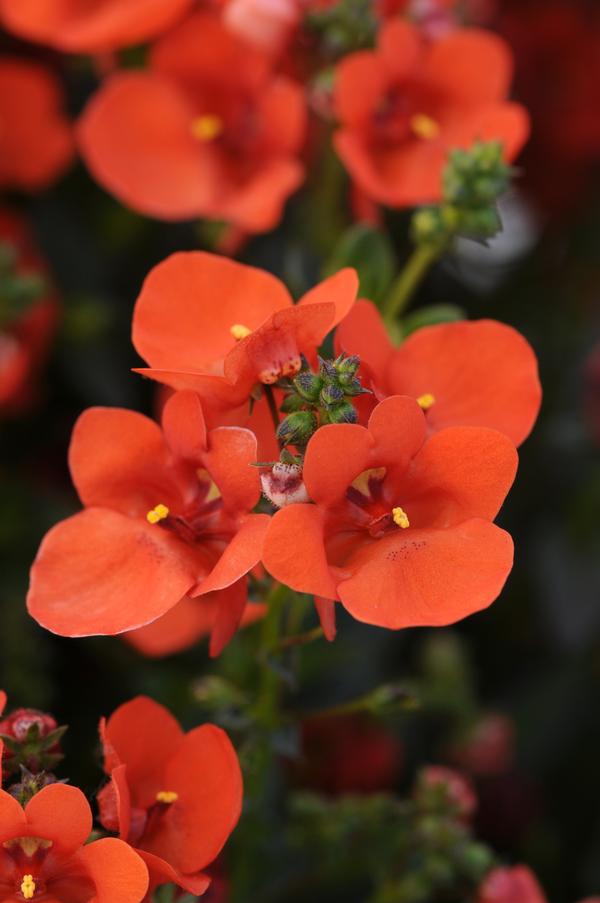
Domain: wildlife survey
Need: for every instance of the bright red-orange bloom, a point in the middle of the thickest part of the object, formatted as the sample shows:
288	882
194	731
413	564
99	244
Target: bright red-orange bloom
403	106
36	141
400	530
167	515
207	130
90	26
481	373
221	328
516	884
43	857
175	797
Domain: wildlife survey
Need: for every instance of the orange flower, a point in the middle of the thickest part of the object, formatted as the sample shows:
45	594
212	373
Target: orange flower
221	328
400	530
175	797
42	852
403	106
83	27
482	373
208	130
36	142
167	515
25	337
192	620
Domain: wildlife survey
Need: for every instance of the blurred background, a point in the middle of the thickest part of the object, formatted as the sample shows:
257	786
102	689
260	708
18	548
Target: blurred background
510	695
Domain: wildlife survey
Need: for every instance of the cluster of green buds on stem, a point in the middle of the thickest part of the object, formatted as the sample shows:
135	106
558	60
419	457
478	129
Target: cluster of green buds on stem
315	399
472	183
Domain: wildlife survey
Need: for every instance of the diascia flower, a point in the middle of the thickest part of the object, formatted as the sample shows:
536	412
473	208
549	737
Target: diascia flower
481	373
81	26
175	797
36	148
44	855
400	530
403	106
207	130
221	328
515	884
167	515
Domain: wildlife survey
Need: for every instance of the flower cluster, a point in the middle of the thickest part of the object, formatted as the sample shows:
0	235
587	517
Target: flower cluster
171	798
383	498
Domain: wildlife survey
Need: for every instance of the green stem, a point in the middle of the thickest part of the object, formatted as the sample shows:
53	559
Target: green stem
268	691
268	393
409	279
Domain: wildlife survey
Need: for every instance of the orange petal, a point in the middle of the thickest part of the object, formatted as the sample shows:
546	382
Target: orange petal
256	204
60	813
294	551
119	459
35	148
504	122
188	304
143	735
181	627
216	393
335	456
229	459
81	27
427	578
184	426
400	48
470	66
398	428
363	333
12	817
326	611
161	872
339	290
459	473
239	557
119	874
84	562
482	373
135	137
516	884
282	109
205	774
360	83
230	610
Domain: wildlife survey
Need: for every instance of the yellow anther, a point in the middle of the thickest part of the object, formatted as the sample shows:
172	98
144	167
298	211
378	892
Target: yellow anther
206	128
400	518
239	331
167	796
424	126
28	887
157	514
425	401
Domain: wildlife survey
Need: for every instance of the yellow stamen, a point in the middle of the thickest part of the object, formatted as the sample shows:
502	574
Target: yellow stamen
424	126
239	331
167	796
400	518
208	127
425	401
28	887
157	514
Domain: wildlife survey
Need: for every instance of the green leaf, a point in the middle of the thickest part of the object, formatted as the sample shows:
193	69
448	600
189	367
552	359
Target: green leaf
370	252
430	316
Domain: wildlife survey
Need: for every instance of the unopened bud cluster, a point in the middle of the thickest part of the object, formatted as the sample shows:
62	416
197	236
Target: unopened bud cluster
315	399
31	749
472	183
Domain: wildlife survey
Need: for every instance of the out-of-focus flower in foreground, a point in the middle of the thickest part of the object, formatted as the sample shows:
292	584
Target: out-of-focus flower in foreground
44	854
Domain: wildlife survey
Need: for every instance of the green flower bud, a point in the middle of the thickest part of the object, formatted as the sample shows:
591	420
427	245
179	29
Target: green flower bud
292	403
331	395
296	428
307	385
341	413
